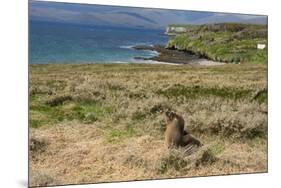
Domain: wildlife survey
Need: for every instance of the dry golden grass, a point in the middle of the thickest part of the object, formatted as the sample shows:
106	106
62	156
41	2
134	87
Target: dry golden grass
103	123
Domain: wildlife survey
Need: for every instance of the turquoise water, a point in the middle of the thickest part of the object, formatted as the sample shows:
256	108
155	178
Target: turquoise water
69	43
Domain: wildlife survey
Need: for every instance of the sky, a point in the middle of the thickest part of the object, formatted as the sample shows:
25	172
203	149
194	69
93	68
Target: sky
117	16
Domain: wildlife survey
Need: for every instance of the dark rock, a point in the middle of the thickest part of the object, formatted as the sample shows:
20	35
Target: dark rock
170	55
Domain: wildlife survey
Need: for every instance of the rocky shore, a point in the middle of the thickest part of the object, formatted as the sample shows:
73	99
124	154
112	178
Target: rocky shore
171	55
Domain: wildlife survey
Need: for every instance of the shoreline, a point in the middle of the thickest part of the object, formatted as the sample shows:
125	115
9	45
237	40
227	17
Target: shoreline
175	57
198	62
163	56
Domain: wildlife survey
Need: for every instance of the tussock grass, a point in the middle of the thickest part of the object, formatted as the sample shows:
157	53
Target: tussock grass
261	96
197	91
174	160
102	123
41	178
58	100
179	160
37	145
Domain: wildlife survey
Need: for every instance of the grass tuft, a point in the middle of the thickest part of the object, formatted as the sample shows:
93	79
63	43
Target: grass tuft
199	91
173	160
59	100
261	96
217	149
206	157
37	145
41	178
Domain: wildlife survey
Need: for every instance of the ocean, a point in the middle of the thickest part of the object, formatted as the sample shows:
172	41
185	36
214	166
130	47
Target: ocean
69	43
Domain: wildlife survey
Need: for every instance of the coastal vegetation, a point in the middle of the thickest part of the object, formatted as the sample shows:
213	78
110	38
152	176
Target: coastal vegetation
223	42
94	123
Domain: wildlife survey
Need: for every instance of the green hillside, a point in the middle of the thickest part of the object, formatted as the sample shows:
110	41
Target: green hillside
226	42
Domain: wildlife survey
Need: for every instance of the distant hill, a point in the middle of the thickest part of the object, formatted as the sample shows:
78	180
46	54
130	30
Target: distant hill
118	16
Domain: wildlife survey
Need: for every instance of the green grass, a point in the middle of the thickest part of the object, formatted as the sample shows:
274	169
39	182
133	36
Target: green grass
116	135
217	148
50	114
90	112
34	123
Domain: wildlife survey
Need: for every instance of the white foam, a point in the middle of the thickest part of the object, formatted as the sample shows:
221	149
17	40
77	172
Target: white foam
119	62
127	46
154	62
133	45
153	52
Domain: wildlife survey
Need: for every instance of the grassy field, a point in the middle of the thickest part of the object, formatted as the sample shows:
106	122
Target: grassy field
102	123
225	42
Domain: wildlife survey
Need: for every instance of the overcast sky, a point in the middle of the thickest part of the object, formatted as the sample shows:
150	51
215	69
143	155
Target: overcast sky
129	17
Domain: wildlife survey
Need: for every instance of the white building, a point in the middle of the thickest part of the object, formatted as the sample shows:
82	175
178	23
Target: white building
261	46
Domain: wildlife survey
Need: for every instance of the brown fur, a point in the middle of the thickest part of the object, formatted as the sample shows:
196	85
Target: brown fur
175	135
174	130
188	139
